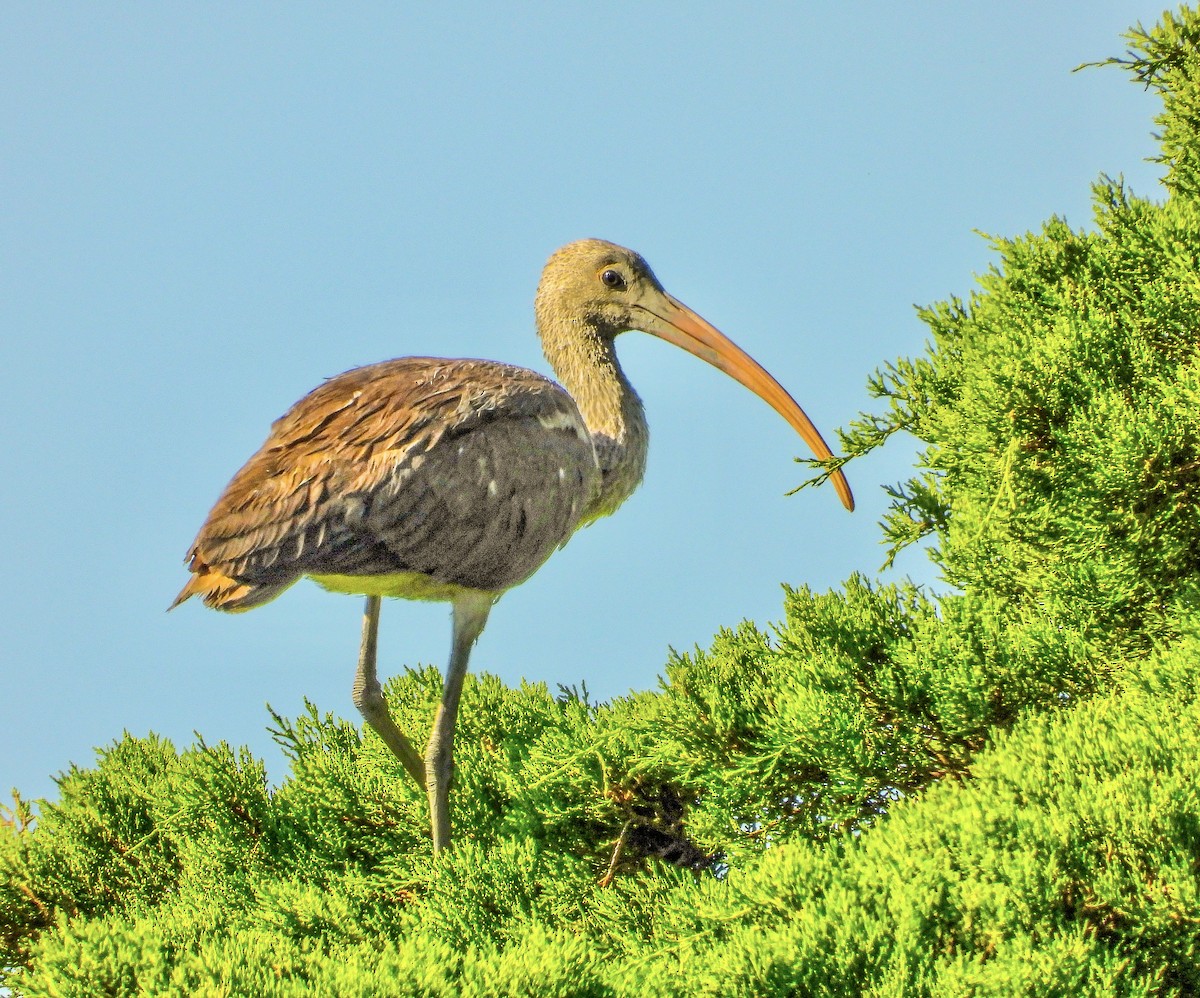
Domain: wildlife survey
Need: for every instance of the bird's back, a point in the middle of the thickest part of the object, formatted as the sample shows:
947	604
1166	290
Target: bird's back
415	477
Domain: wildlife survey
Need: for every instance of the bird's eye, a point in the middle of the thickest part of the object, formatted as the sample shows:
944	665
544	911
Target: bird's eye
612	279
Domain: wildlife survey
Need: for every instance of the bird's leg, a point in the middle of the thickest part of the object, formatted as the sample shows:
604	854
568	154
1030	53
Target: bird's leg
368	698
470	614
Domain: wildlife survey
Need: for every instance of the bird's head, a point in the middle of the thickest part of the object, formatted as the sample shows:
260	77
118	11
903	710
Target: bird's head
600	285
596	289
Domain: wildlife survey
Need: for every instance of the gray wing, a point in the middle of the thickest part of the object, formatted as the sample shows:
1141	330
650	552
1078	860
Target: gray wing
469	472
487	503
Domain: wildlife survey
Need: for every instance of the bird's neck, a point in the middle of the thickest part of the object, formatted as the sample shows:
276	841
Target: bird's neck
587	367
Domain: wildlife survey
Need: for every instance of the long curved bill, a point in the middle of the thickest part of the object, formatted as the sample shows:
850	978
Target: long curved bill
678	324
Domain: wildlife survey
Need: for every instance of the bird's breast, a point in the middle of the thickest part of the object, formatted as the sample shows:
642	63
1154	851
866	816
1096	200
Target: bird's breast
621	460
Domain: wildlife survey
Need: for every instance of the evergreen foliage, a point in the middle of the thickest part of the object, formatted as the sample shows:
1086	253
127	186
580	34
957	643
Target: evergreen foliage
992	791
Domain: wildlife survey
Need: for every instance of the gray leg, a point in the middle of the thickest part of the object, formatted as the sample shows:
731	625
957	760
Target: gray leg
470	614
368	698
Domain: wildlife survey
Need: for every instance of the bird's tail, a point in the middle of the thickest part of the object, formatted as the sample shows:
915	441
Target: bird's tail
221	592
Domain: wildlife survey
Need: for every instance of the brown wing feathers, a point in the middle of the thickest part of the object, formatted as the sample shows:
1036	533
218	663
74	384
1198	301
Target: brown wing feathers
407	466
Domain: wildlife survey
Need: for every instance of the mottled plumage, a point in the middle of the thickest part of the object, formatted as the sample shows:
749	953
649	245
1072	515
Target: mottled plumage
406	478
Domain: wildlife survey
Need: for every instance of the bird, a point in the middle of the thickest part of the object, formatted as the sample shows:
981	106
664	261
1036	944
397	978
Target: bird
455	479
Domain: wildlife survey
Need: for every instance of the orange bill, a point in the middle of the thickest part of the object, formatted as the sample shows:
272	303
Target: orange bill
683	327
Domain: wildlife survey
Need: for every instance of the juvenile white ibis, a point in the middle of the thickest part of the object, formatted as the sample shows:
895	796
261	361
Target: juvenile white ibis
455	479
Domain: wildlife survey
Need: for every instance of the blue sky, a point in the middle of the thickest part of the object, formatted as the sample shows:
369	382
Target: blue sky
207	209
